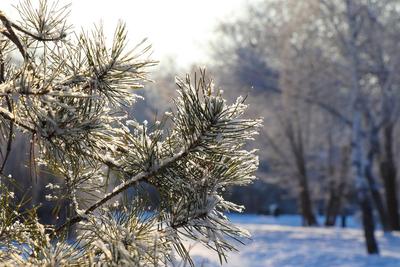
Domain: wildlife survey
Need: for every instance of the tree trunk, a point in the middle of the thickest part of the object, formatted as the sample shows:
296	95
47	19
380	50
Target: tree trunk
374	149
332	203
343	221
376	196
332	206
388	169
368	223
359	156
305	203
388	174
305	200
332	211
295	138
359	164
336	192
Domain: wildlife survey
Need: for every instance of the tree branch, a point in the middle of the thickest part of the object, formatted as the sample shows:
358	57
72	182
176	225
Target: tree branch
122	187
10	136
10	34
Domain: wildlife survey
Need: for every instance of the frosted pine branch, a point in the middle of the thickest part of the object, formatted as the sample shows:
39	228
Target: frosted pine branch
71	96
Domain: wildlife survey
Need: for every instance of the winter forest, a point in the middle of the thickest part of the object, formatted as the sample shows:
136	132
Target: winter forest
270	142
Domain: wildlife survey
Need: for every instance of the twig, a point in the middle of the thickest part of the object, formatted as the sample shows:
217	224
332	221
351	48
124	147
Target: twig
10	137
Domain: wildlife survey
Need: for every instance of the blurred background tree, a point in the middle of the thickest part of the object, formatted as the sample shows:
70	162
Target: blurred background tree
323	74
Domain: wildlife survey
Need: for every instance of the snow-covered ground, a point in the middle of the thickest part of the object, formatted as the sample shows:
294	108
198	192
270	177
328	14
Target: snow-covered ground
281	242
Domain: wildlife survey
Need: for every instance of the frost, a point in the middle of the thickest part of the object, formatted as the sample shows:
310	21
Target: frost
73	101
50	197
133	123
52	186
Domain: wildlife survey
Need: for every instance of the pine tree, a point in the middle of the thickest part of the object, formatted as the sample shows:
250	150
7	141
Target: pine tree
71	95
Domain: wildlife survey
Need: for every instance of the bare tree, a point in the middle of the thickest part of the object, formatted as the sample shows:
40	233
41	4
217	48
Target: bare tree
341	57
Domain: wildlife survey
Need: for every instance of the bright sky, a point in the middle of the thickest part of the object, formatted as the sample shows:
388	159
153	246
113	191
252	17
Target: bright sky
179	29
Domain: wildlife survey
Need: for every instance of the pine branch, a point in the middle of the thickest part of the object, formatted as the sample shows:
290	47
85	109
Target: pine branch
36	37
71	96
10	34
10	117
125	185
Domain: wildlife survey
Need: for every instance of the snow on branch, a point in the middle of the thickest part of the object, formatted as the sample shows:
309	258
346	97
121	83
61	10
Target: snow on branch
71	94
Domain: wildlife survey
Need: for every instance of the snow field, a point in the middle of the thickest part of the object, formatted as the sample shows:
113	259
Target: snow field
280	242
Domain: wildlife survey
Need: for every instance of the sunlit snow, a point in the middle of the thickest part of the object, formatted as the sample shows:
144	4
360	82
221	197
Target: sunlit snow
281	242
